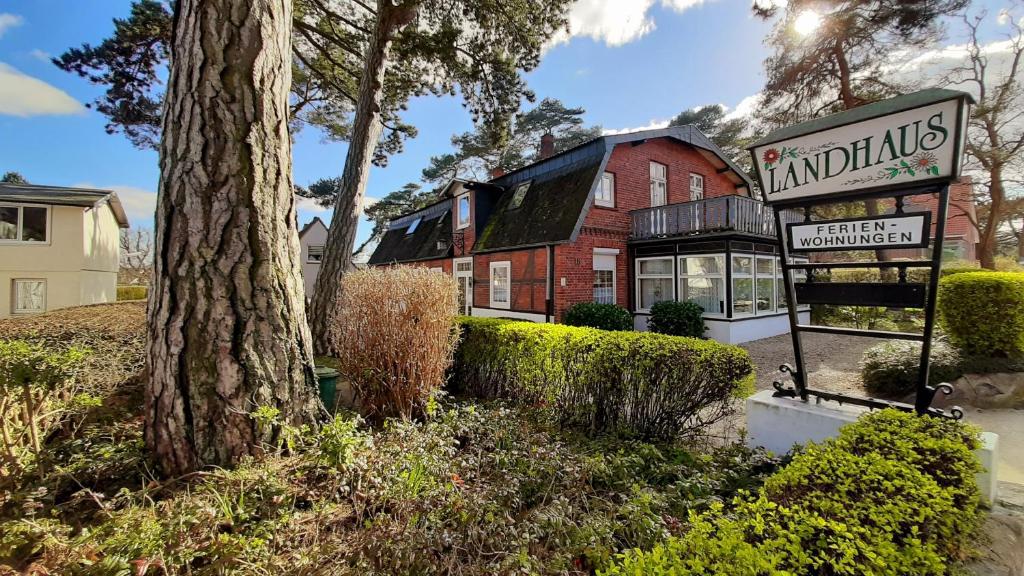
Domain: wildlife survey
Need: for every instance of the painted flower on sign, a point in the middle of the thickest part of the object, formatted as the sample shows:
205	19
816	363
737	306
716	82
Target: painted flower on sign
926	162
771	156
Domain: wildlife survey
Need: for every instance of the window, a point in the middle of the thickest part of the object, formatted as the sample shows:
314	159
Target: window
742	285
606	192
29	296
412	227
702	281
315	254
696	187
519	195
659	184
604	275
462	211
24	223
501	279
780	283
765	284
654	282
437	269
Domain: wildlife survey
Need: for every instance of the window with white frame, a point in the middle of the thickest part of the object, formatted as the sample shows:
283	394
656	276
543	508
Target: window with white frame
501	284
702	281
696	187
315	254
780	283
604	276
606	192
29	296
659	184
655	281
519	195
462	211
765	284
742	285
24	223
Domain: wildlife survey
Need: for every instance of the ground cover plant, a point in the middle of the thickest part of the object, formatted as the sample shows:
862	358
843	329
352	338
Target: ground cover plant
471	487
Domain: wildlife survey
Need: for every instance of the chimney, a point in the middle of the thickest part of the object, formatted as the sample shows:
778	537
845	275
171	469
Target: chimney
497	172
547	146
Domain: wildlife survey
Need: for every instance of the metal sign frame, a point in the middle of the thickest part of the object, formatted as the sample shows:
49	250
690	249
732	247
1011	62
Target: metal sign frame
925	393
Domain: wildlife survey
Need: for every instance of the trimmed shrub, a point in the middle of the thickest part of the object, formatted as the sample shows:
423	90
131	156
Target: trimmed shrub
395	337
677	319
132	292
602	316
894	494
891	368
983	312
629	383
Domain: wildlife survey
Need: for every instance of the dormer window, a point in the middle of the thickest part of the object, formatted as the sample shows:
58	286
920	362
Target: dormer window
519	195
462	211
412	227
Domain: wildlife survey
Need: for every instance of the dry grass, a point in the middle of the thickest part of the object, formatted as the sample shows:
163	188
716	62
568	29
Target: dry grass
396	337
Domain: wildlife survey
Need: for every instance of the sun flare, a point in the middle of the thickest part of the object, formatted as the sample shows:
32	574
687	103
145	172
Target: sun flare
807	22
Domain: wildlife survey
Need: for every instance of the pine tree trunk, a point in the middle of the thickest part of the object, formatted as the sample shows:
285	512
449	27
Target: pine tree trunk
366	132
227	326
987	241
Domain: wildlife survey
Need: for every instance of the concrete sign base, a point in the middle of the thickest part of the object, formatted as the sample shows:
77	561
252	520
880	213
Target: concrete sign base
776	424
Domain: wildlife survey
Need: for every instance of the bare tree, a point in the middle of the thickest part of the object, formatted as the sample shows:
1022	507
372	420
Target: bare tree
136	257
995	136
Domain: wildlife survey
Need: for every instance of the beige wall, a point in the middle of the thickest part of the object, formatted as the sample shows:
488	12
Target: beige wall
79	263
316	236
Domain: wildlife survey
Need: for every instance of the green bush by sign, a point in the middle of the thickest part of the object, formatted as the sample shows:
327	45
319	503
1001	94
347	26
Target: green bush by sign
983	312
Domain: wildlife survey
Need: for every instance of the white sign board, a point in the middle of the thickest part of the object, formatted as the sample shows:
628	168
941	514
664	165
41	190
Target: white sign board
897	231
903	148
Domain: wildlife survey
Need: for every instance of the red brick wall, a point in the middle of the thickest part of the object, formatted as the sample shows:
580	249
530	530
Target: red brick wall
575	263
529	273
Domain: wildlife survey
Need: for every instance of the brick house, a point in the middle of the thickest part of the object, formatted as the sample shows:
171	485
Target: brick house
628	219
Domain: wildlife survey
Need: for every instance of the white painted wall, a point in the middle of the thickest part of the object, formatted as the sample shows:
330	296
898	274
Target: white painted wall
740	330
315	236
492	313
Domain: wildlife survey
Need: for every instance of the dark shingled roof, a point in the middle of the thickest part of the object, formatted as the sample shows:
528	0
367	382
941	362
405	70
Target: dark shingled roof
397	246
63	196
861	113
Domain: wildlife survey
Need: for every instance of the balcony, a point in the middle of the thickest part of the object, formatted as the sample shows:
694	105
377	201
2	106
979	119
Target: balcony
723	214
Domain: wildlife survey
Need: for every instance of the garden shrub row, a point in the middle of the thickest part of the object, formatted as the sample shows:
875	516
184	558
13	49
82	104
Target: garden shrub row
132	292
602	316
983	312
891	368
626	383
894	494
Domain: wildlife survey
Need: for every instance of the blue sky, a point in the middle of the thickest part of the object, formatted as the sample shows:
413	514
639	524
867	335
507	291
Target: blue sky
629	63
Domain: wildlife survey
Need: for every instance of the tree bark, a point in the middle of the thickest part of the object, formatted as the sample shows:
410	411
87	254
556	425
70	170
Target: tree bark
227	327
987	242
366	132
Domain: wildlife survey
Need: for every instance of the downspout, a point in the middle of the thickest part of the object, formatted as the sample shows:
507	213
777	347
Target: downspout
549	311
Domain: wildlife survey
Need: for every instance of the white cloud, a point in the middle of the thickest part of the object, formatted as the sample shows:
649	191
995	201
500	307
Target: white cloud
312	206
8	21
616	22
139	204
41	55
22	95
652	125
745	109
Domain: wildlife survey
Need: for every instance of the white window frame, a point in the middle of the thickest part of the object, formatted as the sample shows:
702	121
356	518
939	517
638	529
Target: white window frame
605	195
752	276
696	192
721	275
460	222
15	309
21	223
603	254
507	266
661	179
774	278
780	283
309	254
639	277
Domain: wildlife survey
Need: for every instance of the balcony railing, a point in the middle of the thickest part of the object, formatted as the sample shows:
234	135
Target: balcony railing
723	214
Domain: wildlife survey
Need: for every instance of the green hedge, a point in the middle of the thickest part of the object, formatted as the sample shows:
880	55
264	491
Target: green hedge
983	312
891	368
132	292
628	383
894	494
677	319
602	316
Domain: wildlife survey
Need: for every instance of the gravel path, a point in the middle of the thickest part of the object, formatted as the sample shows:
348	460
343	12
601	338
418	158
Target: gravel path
832	361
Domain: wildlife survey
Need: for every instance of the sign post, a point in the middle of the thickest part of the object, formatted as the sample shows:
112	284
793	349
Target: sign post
905	146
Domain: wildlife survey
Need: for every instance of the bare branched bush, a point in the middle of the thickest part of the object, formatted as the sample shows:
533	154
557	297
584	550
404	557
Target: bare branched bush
395	336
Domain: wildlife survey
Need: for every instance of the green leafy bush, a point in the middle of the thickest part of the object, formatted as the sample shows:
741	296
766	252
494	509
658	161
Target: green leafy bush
983	312
891	368
132	292
634	383
677	319
602	316
894	494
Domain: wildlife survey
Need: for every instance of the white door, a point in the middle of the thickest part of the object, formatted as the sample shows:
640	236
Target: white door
464	277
